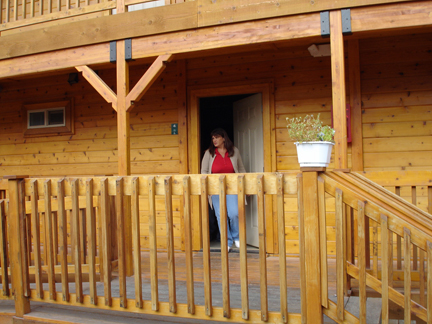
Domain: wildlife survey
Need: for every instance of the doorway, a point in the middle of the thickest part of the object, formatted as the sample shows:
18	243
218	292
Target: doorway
194	142
241	117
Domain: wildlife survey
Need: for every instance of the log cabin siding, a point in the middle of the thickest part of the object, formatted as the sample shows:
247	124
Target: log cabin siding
396	115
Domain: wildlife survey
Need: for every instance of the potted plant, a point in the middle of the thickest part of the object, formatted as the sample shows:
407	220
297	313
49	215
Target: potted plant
314	141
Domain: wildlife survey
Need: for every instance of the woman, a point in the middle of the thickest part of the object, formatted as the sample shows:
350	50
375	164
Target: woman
223	157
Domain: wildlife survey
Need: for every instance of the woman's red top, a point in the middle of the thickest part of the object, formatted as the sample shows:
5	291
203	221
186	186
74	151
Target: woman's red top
222	164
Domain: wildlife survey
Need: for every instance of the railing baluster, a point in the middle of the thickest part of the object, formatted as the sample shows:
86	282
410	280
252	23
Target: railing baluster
58	5
36	237
340	255
188	244
323	241
224	247
7	11
384	269
153	244
106	240
206	247
361	223
63	238
41	7
49	6
49	244
390	265
24	8
136	242
398	241
429	281
76	233
282	249
301	247
262	248
243	249
415	251
91	234
121	242
32	8
422	277
170	245
68	4
375	248
407	275
4	253
15	10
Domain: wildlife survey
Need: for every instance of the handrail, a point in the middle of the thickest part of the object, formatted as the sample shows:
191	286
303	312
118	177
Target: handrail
357	198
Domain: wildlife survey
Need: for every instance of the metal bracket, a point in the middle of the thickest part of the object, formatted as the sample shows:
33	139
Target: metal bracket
325	23
346	21
113	51
128	49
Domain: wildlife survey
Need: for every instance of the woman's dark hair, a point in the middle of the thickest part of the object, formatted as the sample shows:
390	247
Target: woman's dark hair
228	144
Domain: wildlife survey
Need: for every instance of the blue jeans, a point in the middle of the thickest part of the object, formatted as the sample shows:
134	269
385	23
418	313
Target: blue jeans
232	213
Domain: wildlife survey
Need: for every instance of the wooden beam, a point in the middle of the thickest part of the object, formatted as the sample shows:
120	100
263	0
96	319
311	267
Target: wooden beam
355	103
99	85
147	80
338	90
123	124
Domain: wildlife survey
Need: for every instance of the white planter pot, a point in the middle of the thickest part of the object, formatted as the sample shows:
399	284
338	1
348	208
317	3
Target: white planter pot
314	154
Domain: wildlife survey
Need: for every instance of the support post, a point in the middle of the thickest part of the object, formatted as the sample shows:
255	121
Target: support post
338	90
311	239
17	249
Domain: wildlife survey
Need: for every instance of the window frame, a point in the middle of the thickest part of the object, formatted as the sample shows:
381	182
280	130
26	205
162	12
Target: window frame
49	130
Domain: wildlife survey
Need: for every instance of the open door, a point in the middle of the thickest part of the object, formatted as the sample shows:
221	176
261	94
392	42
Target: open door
249	139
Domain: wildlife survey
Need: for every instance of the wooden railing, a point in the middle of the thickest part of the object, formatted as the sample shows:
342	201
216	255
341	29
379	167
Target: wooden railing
399	230
87	230
26	13
40	211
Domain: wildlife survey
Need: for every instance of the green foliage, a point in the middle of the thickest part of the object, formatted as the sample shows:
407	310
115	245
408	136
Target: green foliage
309	129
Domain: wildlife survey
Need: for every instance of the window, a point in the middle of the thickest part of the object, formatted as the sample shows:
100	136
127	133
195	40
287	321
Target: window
51	118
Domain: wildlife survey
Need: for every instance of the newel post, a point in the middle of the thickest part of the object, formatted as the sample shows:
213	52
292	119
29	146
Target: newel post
310	246
17	245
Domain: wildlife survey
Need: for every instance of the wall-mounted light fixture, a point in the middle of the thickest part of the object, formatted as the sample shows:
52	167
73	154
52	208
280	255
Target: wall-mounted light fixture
73	78
319	50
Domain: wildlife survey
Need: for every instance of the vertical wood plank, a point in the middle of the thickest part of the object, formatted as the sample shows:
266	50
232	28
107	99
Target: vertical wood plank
32	8
414	248
243	249
398	242
34	197
384	270
282	249
77	248
422	277
106	240
63	238
300	204
390	264
361	260
41	7
340	255
136	242
188	244
355	103
407	275
429	281
121	242
262	248
375	248
91	234
224	247
206	247
367	240
338	89
50	242
22	304
49	6
153	244
15	10
4	255
7	11
323	241
170	245
182	116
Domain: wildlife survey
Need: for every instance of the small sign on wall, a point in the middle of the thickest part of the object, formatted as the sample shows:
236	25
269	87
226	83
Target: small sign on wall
174	129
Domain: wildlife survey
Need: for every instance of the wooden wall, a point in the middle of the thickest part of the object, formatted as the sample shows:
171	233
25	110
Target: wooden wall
396	84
